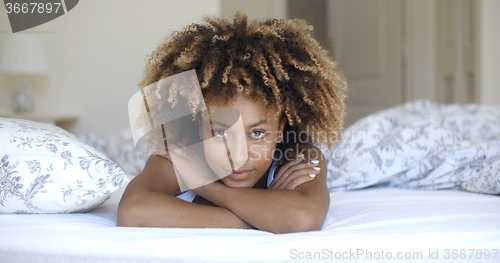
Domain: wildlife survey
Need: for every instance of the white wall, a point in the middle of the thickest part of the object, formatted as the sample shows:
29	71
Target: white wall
96	56
488	51
96	53
419	47
255	9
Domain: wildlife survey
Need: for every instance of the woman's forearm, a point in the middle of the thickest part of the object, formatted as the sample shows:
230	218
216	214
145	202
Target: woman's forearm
156	209
277	211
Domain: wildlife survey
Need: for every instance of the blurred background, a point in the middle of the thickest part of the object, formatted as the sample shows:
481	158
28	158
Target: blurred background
391	52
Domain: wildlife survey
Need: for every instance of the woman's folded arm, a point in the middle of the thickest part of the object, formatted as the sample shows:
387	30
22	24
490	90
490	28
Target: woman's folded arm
155	209
276	210
149	201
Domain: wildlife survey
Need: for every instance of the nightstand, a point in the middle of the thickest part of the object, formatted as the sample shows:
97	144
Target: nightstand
64	121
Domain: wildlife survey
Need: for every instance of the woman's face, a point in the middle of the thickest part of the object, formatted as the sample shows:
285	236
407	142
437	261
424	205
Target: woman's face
241	141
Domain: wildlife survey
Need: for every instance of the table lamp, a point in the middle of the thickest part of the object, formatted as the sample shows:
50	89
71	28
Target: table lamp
23	55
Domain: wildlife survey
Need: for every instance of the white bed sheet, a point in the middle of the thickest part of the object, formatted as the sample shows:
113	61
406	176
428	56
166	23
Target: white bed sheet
377	220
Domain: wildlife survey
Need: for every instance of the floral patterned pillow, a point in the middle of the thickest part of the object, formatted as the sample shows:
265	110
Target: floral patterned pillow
421	145
45	169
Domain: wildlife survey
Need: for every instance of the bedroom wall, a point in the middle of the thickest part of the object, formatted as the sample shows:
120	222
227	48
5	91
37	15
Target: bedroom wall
255	9
96	55
488	51
450	49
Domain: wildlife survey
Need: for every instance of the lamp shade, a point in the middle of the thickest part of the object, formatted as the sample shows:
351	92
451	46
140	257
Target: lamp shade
24	54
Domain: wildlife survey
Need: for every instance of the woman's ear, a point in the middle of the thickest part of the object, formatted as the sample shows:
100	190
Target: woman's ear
281	129
203	124
199	130
282	124
199	118
200	127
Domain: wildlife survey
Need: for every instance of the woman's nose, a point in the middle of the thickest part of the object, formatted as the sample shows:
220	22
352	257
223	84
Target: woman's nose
238	151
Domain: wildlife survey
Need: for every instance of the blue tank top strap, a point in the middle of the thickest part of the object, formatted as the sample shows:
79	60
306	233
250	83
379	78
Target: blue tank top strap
270	177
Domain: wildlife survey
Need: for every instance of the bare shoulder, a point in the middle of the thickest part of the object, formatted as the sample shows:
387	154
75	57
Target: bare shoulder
158	175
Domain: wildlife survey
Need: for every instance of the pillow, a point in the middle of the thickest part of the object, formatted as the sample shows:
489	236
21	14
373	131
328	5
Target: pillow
45	169
420	145
120	148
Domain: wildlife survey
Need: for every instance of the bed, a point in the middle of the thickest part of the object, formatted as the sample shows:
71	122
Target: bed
404	209
372	220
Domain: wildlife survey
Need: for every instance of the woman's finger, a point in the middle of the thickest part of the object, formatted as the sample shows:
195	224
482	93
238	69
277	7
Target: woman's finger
293	170
278	178
280	183
298	177
295	182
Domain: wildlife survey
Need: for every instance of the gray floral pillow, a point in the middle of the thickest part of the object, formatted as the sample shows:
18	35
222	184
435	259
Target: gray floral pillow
120	148
45	169
421	145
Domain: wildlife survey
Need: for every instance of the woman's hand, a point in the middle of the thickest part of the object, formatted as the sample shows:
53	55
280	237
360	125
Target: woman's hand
295	173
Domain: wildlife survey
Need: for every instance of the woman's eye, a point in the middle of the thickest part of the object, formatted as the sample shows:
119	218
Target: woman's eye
220	133
258	134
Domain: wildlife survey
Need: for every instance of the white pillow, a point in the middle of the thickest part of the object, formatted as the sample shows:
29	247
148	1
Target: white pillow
45	169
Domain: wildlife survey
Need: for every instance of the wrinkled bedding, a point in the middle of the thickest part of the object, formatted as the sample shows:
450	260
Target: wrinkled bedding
421	145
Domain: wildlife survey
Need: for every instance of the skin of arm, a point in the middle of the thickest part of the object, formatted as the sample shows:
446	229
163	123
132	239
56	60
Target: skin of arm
276	210
149	201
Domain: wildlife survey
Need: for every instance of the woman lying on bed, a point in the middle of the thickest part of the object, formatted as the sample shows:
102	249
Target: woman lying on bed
288	96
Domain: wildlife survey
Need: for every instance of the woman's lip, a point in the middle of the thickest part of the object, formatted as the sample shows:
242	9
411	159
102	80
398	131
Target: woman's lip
241	171
239	175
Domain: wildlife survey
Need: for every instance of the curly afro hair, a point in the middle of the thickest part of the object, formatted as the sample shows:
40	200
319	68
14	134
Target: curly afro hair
276	62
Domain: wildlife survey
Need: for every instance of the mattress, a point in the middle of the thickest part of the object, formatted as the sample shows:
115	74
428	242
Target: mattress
375	224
